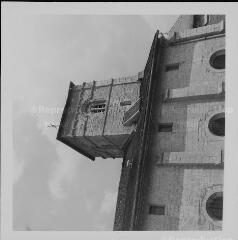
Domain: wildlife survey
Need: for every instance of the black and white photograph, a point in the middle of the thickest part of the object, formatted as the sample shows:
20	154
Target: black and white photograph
116	121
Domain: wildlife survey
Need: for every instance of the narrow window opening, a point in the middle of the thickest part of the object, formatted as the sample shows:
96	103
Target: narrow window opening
171	67
157	210
165	127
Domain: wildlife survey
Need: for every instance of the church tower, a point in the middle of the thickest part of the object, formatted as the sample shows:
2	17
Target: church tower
168	124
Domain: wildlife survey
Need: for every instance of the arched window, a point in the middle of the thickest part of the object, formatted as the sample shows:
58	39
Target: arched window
217	60
216	124
214	206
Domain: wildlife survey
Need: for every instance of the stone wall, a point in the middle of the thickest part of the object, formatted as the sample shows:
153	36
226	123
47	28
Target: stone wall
187	162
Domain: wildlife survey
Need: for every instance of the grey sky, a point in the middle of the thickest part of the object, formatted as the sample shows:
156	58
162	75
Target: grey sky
55	188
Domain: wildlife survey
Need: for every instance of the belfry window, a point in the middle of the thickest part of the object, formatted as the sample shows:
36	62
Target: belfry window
214	206
217	60
98	106
216	124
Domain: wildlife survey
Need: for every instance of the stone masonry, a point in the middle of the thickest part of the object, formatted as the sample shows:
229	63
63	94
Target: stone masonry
168	124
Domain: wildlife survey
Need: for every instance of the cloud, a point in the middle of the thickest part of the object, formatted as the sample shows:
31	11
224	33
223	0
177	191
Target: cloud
63	173
52	180
35	156
109	202
62	169
162	23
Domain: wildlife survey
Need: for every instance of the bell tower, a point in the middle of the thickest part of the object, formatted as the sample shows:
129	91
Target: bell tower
99	116
168	124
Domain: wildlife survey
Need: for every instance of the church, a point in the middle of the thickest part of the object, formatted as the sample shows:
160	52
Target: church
167	122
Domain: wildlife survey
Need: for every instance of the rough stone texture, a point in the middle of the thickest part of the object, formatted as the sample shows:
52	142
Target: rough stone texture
126	188
103	132
216	18
191	214
120	93
209	157
179	78
81	114
166	190
181	190
121	200
95	124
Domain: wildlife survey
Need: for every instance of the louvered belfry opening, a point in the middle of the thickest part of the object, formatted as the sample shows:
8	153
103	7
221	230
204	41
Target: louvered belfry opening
98	106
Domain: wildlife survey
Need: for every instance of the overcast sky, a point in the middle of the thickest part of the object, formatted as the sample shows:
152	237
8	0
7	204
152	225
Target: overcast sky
56	188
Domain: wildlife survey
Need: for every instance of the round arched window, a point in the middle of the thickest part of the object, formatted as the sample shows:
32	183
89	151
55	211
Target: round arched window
216	124
217	59
214	206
